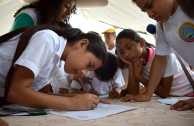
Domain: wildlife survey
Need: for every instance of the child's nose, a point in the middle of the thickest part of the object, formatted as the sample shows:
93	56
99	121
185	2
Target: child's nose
84	71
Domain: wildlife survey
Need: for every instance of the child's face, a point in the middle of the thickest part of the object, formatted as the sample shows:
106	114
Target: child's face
159	10
129	49
65	9
81	61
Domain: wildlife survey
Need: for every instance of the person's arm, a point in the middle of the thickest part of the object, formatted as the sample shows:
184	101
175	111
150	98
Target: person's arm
183	105
3	123
133	84
157	70
163	88
21	93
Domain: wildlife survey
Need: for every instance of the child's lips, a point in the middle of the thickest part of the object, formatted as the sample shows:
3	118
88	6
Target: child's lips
130	59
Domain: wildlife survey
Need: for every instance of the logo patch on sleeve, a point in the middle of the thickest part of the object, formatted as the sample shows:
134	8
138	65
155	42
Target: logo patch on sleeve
186	32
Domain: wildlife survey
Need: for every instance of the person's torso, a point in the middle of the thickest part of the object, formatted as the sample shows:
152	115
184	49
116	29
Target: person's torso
179	34
33	59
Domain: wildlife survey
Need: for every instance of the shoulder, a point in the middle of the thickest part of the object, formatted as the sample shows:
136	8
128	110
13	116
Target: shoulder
32	12
46	36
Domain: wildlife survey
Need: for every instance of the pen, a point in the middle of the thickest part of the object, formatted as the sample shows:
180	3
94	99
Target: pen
91	84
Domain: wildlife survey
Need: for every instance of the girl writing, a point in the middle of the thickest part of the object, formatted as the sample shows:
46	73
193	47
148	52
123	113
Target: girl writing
29	58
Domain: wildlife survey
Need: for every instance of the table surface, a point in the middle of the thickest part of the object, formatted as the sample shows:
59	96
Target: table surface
150	113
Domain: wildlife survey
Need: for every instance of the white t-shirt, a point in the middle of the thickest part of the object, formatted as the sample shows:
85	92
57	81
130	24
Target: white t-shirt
112	50
61	80
41	56
100	86
180	84
178	33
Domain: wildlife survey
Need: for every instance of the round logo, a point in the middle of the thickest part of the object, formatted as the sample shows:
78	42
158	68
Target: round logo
186	32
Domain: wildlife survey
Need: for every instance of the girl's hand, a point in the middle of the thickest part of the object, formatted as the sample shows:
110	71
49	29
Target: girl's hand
183	105
138	68
114	94
124	60
3	123
85	102
91	91
124	92
104	101
136	98
84	78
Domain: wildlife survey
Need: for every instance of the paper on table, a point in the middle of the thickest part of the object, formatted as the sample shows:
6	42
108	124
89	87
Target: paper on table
169	101
101	111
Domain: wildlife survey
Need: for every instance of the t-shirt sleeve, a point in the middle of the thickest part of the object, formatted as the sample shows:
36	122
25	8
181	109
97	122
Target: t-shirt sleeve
162	47
171	66
38	52
23	20
118	80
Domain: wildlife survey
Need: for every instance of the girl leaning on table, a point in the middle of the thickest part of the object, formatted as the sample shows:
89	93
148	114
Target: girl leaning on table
29	58
176	17
138	56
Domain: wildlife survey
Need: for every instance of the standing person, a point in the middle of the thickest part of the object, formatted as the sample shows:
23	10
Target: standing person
110	36
177	34
45	12
138	55
29	58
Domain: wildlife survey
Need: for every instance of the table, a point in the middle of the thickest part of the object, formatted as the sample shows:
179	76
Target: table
150	113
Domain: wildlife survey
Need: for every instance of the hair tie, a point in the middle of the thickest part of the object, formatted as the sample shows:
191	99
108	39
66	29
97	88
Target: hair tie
82	33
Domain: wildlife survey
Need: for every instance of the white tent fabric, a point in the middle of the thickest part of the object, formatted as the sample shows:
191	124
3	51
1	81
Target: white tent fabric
120	13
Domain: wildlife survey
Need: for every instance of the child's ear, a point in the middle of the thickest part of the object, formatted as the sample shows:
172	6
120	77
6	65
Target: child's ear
142	42
83	43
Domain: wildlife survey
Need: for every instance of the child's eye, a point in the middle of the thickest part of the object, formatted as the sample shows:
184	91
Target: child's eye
90	65
121	52
128	48
67	5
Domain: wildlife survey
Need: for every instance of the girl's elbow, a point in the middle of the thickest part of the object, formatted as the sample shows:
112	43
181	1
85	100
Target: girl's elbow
164	95
12	96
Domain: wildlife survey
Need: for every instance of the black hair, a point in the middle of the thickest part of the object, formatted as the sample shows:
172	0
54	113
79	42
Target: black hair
134	1
133	35
187	6
107	71
48	11
95	46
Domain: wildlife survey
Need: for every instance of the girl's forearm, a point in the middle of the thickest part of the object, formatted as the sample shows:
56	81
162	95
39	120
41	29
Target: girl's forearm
143	80
31	98
157	70
133	84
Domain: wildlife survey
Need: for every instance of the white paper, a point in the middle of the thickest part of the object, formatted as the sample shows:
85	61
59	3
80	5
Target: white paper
101	111
169	101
